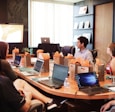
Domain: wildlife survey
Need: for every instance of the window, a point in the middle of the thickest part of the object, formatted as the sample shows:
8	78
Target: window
52	20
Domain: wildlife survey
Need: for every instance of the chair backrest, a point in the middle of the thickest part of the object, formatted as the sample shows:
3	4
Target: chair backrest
94	53
68	49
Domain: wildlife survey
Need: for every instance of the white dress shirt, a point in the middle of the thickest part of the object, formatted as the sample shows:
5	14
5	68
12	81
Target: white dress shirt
84	54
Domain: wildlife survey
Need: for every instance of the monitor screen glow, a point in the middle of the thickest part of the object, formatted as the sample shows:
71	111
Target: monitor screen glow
11	33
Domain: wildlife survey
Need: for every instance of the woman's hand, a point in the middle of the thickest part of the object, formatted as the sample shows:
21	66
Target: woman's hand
21	92
107	106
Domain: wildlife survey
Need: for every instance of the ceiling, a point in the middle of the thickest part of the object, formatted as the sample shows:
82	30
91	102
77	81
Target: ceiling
69	1
63	1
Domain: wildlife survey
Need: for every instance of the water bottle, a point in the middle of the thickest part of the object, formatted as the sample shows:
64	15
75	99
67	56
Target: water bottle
66	82
31	50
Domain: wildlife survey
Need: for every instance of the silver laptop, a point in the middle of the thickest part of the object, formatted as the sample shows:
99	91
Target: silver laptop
60	72
36	70
89	83
45	40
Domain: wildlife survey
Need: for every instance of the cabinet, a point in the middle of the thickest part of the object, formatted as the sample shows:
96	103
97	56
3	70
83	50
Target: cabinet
83	23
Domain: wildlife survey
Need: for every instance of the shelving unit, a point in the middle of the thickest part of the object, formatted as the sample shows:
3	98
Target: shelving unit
83	23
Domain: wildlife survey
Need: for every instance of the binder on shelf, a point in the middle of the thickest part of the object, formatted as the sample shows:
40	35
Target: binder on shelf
83	10
87	24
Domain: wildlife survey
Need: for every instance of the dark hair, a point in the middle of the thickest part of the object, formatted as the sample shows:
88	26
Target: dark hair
112	48
3	50
84	40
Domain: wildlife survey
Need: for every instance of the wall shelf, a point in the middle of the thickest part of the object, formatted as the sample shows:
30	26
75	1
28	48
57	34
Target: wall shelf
83	23
88	14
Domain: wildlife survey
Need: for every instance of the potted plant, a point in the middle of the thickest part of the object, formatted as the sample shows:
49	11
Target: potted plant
25	49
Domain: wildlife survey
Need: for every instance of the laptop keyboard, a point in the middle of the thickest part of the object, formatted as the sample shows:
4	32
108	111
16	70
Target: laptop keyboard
95	90
52	82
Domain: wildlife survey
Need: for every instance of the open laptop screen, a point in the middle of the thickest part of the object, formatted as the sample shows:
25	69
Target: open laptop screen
17	60
60	72
38	65
45	40
87	79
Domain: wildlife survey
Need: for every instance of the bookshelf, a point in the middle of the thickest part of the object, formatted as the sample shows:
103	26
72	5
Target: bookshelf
83	22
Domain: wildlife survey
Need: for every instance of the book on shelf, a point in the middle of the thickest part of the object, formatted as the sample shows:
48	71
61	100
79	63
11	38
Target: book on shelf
81	25
88	36
87	24
76	25
83	10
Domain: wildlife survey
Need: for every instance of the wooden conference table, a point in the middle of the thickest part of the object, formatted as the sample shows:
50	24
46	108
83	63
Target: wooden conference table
69	92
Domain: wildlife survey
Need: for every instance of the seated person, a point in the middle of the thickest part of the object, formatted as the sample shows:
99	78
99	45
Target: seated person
12	100
20	84
82	51
110	69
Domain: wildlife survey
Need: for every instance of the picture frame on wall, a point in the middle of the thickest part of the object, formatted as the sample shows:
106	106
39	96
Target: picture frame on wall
83	10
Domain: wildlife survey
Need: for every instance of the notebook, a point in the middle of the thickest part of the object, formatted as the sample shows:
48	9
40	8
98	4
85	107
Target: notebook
89	83
45	40
36	70
16	61
60	72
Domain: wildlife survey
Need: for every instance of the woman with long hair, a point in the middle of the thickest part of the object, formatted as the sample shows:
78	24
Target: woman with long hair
21	85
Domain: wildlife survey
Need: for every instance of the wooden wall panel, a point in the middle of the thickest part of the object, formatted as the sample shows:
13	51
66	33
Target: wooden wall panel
3	11
103	29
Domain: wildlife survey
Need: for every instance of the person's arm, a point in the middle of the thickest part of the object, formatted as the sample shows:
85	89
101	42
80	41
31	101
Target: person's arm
89	56
107	106
15	100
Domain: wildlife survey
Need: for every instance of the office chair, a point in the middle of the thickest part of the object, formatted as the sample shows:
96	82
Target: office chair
68	49
36	106
94	53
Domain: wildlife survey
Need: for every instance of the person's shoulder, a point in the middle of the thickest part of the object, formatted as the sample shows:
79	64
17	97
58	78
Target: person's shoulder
87	50
113	60
3	61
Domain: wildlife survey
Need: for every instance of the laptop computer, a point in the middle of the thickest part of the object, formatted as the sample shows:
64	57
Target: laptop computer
16	61
45	40
36	70
60	72
89	83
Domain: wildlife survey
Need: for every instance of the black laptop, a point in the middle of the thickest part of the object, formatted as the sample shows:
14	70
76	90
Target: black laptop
89	83
60	72
16	61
